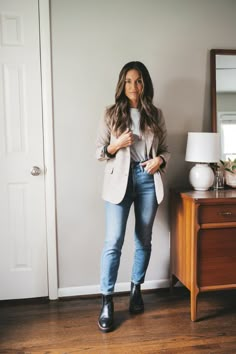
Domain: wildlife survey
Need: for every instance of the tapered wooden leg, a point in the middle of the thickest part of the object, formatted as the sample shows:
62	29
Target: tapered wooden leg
193	305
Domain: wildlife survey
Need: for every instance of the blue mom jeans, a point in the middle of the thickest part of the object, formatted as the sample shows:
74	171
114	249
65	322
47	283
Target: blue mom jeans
141	192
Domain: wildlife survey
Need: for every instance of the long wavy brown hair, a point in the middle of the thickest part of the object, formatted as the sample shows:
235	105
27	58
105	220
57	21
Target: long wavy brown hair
118	114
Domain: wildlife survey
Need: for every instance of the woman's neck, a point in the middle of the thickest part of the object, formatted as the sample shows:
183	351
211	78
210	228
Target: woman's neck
133	104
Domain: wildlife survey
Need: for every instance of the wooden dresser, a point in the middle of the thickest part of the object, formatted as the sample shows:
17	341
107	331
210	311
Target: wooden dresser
203	241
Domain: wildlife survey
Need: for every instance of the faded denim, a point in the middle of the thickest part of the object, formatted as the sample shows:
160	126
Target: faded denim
141	192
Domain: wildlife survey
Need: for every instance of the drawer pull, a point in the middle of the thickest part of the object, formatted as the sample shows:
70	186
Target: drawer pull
226	213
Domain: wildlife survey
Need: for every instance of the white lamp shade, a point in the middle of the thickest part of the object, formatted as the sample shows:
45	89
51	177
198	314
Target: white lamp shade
203	147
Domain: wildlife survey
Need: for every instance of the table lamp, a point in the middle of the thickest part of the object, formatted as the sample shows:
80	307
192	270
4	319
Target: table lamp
202	148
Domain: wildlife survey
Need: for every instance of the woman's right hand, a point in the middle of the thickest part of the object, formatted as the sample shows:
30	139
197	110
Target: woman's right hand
125	139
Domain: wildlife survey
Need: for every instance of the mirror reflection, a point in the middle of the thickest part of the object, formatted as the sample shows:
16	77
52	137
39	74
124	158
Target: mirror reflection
224	100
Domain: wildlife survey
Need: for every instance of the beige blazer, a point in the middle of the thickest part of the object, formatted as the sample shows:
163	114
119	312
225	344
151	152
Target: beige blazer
117	169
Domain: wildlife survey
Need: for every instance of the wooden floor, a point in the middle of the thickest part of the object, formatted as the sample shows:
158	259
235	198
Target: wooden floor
70	326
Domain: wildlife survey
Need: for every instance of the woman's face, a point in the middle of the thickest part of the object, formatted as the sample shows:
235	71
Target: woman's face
133	87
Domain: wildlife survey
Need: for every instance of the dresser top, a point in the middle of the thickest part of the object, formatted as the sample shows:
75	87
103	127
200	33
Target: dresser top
211	194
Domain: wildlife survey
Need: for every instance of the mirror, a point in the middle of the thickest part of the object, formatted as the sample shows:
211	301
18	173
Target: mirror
223	99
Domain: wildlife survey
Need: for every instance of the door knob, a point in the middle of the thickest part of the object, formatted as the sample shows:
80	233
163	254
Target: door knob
35	171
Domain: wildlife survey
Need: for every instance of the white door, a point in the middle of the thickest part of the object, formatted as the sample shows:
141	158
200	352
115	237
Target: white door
23	253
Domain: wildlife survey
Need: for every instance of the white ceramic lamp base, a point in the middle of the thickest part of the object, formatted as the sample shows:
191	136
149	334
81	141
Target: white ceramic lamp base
201	177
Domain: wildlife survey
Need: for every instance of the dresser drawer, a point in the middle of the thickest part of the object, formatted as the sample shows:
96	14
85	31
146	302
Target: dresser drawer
217	213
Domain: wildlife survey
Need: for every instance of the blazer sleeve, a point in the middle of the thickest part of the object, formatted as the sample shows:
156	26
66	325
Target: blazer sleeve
103	139
163	149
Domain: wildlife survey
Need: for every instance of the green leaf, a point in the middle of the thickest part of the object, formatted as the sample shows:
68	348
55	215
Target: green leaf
227	169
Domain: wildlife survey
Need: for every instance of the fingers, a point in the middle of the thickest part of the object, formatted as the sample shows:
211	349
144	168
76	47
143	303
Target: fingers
126	138
144	163
147	166
129	137
150	166
148	169
127	131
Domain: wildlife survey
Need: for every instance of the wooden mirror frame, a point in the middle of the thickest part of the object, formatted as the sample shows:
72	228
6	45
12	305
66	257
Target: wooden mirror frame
213	54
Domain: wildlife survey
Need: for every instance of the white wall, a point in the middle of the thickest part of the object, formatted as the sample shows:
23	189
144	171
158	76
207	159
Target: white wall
226	102
92	40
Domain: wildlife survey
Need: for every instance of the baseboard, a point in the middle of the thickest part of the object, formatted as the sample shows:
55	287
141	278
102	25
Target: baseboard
120	287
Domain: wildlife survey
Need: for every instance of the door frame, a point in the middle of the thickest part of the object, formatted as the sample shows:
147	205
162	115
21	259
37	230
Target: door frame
48	137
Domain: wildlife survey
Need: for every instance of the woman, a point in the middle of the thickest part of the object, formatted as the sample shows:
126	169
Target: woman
132	140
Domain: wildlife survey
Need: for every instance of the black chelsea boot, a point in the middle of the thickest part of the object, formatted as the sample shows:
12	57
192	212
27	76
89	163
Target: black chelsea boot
136	304
105	321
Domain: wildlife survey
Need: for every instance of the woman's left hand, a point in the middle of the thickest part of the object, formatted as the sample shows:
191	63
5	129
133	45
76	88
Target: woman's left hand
151	166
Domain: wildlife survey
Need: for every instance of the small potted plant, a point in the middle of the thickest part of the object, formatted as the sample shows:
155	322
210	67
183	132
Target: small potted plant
229	168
